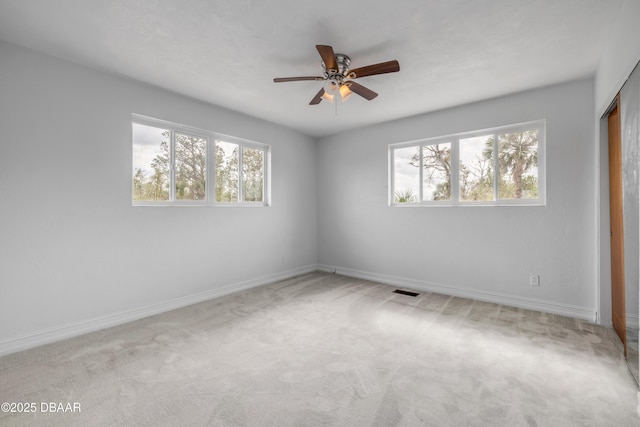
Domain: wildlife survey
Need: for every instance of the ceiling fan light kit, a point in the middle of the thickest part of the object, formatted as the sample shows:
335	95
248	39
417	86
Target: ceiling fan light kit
339	78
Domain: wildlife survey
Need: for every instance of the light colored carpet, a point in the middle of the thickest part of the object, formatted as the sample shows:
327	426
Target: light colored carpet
327	350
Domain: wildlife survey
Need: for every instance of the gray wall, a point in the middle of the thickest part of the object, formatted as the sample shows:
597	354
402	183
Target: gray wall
619	56
74	253
481	252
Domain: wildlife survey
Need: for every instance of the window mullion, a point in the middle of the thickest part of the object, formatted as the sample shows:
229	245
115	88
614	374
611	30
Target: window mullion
208	175
392	176
455	171
496	171
421	173
172	166
214	172
266	182
240	159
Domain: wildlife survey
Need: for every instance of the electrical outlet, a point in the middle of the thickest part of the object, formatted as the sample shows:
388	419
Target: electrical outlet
534	280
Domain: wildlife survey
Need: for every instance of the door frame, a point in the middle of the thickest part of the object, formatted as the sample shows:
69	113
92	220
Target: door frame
616	221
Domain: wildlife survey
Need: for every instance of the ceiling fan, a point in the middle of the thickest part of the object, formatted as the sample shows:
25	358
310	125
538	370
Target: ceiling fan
339	78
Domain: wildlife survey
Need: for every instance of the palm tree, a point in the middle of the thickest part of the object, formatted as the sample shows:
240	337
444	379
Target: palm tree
404	196
517	155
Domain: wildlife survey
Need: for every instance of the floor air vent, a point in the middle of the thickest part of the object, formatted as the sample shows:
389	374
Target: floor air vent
411	294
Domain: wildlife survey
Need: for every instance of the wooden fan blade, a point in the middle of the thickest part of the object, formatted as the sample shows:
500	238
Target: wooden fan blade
316	99
295	79
364	92
372	70
329	58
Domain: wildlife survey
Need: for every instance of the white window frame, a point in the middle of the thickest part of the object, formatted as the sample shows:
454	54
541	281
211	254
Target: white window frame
211	139
454	139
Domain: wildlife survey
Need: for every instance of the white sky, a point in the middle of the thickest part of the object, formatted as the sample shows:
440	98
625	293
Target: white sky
146	146
471	149
406	176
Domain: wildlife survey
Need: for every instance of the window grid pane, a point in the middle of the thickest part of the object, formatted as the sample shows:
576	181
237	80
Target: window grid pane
406	174
191	167
252	174
150	163
436	175
476	168
518	165
227	172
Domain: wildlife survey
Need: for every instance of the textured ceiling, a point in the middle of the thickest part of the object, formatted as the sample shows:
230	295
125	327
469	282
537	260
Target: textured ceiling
227	52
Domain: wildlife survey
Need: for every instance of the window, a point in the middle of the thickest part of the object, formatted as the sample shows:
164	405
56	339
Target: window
501	166
239	172
178	165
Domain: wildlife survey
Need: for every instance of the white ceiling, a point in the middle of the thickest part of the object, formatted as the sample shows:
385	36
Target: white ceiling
227	52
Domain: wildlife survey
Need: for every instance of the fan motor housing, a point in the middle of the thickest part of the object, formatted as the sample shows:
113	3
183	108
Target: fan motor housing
343	62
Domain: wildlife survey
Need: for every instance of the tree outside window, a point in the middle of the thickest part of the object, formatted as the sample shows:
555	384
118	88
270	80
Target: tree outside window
499	167
171	166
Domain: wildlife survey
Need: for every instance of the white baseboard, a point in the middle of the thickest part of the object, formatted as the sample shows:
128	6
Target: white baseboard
584	313
59	333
